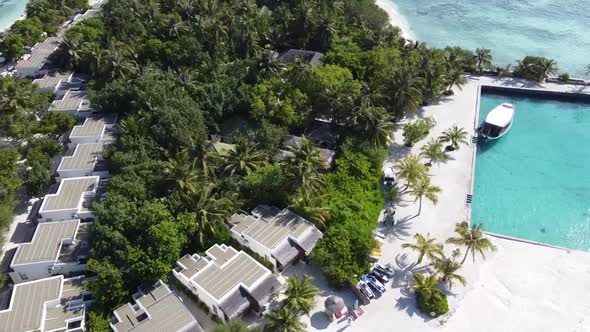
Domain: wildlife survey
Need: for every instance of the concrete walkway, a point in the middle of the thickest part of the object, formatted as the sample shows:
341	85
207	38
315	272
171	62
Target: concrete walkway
521	287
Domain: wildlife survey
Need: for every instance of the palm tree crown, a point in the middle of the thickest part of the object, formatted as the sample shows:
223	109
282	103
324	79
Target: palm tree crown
455	136
472	238
284	320
411	169
447	270
483	57
301	294
433	151
425	247
422	188
244	158
427	286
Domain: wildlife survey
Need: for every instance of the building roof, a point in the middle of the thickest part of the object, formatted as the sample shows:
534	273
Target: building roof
88	14
46	242
85	157
155	309
272	227
47	46
35	61
290	56
51	80
73	100
70	194
228	276
94	126
42	305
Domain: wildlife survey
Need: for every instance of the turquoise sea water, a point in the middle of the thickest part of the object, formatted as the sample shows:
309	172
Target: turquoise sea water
10	11
534	182
555	29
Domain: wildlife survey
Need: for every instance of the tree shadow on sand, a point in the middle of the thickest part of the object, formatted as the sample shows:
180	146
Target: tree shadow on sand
400	230
407	303
404	270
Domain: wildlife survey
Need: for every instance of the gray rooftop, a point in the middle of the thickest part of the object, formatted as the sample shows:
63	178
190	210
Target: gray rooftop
28	304
36	60
70	194
225	271
48	45
51	80
46	242
157	309
271	227
84	158
94	126
311	57
73	100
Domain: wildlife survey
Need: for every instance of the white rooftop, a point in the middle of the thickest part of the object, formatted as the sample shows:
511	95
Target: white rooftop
501	115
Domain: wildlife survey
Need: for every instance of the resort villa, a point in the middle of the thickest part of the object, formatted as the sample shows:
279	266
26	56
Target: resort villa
31	66
74	102
97	128
83	160
280	236
52	81
51	304
56	248
155	309
227	281
327	155
73	200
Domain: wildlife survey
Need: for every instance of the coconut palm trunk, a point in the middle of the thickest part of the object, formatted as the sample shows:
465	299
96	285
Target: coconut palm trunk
465	257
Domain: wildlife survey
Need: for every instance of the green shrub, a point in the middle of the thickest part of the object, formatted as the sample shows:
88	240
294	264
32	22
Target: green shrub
564	77
417	130
434	306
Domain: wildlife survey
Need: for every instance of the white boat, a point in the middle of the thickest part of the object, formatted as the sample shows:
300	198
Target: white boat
498	121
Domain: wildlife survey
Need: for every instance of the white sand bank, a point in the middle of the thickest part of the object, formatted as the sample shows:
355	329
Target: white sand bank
396	18
521	287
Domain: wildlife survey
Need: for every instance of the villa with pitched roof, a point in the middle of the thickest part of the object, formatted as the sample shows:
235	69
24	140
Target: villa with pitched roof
280	236
56	248
50	304
228	281
156	308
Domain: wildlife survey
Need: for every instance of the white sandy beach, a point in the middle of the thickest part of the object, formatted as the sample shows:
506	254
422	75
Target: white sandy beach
521	287
396	19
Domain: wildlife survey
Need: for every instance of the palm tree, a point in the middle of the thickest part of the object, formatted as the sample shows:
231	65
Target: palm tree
210	208
455	77
373	124
433	151
427	286
284	320
181	171
301	293
422	188
447	270
403	88
473	239
310	205
454	135
269	64
547	67
483	57
411	169
244	158
425	247
303	169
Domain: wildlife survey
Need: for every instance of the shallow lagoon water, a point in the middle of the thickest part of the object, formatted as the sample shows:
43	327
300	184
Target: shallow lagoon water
555	29
10	11
534	182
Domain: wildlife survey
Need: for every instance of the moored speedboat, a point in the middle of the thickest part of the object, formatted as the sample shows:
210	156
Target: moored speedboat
498	121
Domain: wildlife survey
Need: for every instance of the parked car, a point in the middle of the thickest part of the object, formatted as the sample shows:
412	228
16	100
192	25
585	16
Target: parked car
379	275
384	269
388	177
366	290
376	284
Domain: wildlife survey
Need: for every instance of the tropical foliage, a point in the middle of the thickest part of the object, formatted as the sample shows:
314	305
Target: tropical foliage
433	152
535	68
455	136
446	269
417	130
431	300
425	247
472	238
301	294
423	189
